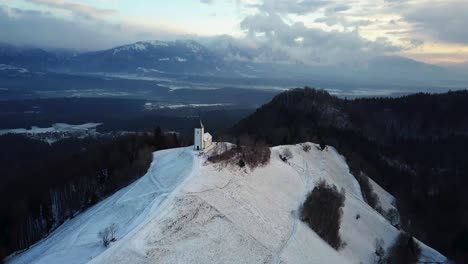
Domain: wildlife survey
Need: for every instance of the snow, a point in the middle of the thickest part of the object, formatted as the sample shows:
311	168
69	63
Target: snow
146	70
158	43
187	210
55	128
139	46
76	241
179	59
151	106
387	201
6	67
193	46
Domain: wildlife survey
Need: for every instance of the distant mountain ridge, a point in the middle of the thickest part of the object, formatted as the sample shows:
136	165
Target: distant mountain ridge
221	56
162	56
30	57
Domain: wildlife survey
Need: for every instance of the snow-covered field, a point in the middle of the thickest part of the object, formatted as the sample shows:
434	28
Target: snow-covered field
185	210
6	67
155	106
55	128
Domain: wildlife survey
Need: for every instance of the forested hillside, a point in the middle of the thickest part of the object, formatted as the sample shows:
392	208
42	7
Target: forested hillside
43	185
414	146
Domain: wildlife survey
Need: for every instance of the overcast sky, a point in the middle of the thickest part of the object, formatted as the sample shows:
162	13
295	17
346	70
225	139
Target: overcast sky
328	31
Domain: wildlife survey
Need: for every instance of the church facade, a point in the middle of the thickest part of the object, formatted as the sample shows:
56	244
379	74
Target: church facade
201	139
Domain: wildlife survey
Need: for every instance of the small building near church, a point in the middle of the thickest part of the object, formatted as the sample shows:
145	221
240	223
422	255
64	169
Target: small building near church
201	139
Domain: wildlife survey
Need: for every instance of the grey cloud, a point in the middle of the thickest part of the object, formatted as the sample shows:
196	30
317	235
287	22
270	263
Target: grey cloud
445	21
336	14
45	30
332	20
316	45
413	42
78	9
340	8
299	7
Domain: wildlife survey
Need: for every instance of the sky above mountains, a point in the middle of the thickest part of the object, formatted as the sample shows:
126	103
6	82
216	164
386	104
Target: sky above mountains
317	31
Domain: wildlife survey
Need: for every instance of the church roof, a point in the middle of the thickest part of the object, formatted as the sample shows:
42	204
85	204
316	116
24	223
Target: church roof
207	136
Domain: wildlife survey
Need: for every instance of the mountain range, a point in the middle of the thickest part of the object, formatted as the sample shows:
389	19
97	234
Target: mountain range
221	57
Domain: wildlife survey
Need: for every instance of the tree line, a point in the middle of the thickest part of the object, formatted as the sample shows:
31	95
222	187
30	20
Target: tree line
40	193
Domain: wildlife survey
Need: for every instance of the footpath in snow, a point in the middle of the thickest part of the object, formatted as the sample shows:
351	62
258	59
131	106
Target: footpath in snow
76	241
187	210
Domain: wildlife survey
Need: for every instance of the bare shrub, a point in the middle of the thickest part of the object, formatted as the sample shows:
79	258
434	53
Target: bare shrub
108	235
370	196
255	155
306	147
379	251
241	163
404	251
393	216
224	156
323	210
322	145
286	154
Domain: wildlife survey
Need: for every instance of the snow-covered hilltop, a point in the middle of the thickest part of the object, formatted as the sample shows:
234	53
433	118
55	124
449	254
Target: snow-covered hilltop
187	210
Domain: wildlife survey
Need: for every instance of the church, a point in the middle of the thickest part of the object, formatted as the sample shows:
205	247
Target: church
201	139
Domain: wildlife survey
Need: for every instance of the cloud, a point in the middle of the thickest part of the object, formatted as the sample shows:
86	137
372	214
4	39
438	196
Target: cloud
309	31
312	45
283	37
442	20
299	7
77	9
341	8
43	29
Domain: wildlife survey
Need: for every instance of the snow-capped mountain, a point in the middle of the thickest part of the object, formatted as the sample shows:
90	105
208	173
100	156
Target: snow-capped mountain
222	57
149	56
188	210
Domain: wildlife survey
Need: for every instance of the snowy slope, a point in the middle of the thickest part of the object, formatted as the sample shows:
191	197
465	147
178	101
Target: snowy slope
76	241
186	210
387	201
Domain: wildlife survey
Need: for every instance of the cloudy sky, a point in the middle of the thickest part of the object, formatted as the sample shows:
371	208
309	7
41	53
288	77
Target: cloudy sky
322	31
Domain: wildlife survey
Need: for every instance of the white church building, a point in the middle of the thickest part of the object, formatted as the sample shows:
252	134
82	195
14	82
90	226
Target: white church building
201	139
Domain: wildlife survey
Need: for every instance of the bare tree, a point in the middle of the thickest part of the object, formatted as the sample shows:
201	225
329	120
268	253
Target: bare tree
393	216
108	235
286	155
379	251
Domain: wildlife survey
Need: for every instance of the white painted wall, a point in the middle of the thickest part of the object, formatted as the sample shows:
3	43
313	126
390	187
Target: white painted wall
198	139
